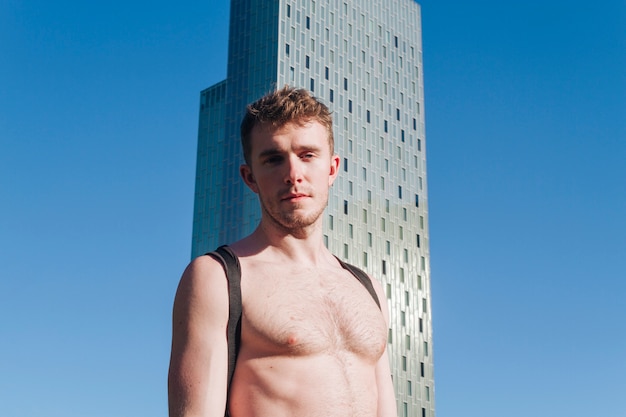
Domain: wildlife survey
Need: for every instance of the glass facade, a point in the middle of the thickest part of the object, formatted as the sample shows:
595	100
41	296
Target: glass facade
364	60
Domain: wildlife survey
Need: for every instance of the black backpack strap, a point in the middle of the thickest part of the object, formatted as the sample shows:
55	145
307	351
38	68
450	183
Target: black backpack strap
231	266
363	277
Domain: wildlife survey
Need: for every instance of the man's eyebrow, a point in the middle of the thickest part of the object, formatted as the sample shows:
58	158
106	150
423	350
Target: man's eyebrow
276	151
269	152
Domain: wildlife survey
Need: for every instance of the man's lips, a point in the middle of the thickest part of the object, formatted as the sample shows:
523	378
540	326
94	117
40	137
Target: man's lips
294	196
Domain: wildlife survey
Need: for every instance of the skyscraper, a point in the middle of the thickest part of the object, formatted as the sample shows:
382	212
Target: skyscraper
363	58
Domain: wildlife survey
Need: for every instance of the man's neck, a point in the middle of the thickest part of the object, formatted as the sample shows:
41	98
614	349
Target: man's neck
303	246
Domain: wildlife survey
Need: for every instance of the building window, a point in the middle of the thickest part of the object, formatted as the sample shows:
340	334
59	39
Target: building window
307	61
425	348
423	412
312	84
350	106
424	305
288	10
414	124
400	192
308	22
397	113
345	206
418	241
384	267
345	84
365	259
386	127
404	363
421	325
287	49
345	164
422	369
408	342
330	222
419	144
368	116
332	96
417	200
326	72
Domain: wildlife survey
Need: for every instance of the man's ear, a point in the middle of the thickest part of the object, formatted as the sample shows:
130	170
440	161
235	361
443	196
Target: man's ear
335	161
248	177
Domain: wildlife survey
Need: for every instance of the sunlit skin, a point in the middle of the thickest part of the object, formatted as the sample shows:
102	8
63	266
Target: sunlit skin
313	341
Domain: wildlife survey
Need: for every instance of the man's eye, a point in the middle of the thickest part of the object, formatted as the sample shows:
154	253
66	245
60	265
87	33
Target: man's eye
273	160
308	156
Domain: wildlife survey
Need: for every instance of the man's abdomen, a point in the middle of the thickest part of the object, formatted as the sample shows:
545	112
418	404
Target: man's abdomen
323	385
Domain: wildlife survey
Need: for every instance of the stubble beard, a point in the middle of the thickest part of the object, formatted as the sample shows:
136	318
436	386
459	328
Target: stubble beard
290	221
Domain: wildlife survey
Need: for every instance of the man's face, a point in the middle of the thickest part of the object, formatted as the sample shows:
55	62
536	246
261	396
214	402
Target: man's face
291	169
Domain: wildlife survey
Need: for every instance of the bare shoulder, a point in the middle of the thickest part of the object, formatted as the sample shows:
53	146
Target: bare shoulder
198	362
202	288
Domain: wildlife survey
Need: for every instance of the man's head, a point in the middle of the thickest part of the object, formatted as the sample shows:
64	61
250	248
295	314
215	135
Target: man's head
281	107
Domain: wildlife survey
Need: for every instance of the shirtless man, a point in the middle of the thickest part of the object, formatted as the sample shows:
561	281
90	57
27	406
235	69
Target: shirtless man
313	340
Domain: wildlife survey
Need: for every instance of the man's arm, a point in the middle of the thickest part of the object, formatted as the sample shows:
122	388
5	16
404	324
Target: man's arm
386	394
197	377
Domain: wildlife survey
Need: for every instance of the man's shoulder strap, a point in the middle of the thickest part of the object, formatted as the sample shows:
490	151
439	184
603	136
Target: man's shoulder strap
231	266
363	277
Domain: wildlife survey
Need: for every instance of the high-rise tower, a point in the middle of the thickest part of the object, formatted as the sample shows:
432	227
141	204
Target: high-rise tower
363	58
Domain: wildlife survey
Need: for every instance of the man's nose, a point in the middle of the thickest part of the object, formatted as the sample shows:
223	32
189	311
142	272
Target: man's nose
294	171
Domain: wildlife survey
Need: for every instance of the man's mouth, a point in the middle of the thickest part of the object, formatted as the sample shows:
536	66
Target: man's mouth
294	196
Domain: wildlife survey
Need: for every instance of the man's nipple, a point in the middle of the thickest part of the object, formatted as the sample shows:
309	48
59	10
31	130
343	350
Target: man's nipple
292	340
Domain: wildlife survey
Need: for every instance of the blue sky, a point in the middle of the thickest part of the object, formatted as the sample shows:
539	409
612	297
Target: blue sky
526	143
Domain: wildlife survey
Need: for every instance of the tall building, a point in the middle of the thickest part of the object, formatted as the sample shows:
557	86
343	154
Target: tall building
363	58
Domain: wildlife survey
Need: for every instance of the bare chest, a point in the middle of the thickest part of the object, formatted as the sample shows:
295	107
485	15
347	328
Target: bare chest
305	312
